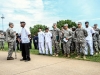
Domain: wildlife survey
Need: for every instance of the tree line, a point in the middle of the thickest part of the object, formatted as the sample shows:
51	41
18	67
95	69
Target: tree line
60	23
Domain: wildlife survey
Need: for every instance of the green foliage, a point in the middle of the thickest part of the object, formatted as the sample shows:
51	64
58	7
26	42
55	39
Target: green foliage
35	28
69	22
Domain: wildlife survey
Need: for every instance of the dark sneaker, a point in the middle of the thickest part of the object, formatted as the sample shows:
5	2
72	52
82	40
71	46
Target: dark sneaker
10	58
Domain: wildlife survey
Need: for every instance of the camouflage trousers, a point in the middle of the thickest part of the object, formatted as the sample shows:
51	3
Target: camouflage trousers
56	47
10	51
1	44
80	47
99	44
66	47
95	46
73	46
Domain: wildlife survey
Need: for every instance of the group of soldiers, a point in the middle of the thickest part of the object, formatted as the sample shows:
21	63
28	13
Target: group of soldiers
70	40
2	39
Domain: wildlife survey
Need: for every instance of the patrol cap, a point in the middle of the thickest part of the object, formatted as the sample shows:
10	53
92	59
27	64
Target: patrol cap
54	24
73	27
65	24
1	33
10	23
79	23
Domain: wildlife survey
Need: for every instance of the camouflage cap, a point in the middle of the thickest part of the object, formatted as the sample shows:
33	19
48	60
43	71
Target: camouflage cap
54	24
79	22
65	24
73	27
10	23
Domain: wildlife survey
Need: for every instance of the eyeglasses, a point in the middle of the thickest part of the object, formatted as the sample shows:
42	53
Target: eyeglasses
78	24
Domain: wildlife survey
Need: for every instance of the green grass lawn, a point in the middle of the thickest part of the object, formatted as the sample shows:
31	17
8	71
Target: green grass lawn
89	58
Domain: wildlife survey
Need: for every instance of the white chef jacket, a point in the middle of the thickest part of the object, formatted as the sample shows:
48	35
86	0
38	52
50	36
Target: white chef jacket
48	36
41	36
90	31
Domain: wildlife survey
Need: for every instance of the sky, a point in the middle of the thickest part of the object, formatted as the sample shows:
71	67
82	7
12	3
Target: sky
47	12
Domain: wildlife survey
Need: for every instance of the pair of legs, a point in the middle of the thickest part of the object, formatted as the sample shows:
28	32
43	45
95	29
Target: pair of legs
48	46
2	45
41	48
80	47
89	44
56	47
66	46
25	51
10	51
95	46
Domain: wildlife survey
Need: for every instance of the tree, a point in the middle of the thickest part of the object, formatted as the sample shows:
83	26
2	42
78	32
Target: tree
69	22
35	28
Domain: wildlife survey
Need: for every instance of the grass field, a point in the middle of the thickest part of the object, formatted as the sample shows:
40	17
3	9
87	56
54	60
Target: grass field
89	58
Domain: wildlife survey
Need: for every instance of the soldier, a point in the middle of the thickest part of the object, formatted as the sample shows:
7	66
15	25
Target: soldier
56	39
61	37
95	42
2	38
97	30
67	35
10	36
80	35
73	42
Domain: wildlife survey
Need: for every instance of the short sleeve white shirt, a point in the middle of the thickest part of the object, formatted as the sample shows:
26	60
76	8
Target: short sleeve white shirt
24	35
48	36
41	36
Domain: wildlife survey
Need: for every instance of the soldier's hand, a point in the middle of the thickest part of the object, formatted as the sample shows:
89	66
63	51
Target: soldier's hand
66	38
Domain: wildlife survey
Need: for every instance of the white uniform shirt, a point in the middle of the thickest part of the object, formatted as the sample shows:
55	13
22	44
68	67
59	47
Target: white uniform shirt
41	36
24	35
90	32
48	36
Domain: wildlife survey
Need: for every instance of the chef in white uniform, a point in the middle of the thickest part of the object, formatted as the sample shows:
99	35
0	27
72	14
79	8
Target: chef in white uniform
89	40
41	41
48	41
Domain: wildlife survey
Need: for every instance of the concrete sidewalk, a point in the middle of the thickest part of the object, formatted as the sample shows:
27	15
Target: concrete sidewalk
45	65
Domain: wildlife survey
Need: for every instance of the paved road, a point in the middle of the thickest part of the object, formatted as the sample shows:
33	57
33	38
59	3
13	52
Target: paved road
45	65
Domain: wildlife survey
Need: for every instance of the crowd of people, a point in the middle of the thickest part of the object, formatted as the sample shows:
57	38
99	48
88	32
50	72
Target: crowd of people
70	40
50	42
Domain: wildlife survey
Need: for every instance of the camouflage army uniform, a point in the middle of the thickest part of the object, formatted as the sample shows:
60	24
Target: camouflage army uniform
95	42
10	38
73	42
80	35
2	39
66	45
56	40
98	30
61	37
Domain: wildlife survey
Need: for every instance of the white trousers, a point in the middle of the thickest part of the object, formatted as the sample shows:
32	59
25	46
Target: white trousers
41	48
89	44
48	47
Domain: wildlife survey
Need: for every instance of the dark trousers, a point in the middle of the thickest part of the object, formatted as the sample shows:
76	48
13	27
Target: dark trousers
62	49
30	45
25	51
36	45
17	45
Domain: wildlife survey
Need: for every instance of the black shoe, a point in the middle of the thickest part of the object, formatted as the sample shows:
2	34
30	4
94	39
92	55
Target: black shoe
10	58
22	59
27	60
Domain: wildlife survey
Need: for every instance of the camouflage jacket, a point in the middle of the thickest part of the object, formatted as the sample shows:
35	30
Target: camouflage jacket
80	35
56	34
10	36
96	37
2	37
